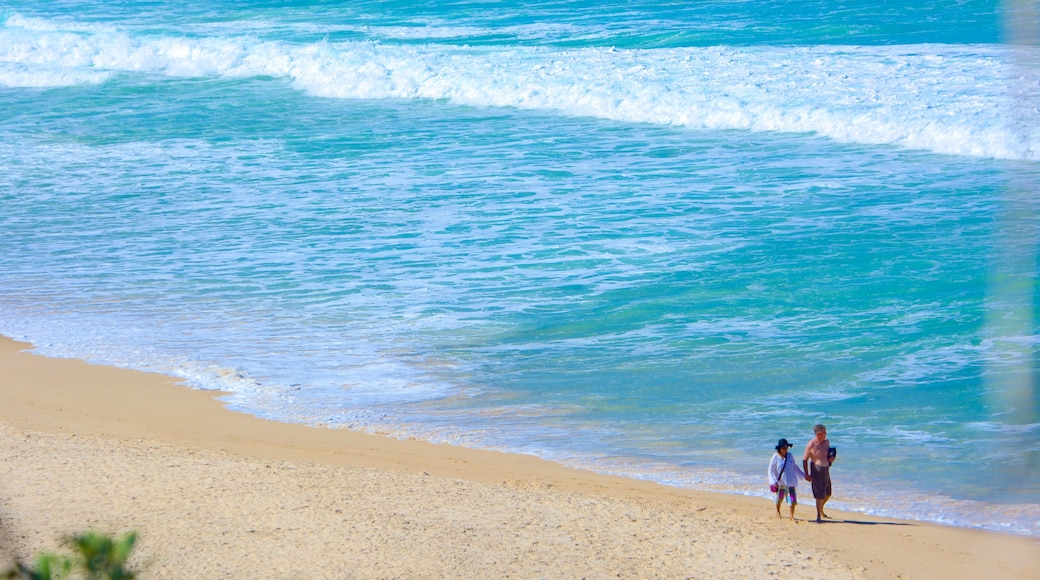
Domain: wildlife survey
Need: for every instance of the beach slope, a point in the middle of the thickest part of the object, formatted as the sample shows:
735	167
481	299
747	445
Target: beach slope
214	493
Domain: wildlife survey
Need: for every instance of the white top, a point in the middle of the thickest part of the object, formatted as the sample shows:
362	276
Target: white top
792	473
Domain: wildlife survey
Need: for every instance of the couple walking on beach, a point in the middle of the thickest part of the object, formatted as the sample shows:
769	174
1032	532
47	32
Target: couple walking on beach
784	472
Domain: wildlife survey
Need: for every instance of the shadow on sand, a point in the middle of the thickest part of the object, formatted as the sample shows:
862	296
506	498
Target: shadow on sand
858	522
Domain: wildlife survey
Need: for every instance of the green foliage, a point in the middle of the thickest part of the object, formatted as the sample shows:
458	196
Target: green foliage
48	566
105	558
95	556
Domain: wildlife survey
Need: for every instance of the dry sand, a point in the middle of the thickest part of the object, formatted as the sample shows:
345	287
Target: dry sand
216	494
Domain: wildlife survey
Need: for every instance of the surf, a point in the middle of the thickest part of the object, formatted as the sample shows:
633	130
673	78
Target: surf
947	99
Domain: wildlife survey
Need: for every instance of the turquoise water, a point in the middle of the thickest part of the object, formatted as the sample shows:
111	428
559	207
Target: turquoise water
648	240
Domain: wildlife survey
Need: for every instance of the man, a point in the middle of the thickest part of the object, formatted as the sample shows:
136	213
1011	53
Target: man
816	463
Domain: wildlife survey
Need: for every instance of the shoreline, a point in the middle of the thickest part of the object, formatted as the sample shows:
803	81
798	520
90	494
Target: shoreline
497	514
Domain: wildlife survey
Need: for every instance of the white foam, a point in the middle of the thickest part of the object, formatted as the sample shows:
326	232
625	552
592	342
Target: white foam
362	377
948	99
44	25
18	76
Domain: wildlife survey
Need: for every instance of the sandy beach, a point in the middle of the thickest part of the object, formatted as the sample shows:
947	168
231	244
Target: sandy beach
217	494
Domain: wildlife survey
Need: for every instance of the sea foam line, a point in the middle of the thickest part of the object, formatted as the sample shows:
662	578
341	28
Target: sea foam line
959	100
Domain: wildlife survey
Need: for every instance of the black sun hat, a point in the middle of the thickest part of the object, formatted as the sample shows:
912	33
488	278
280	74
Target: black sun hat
782	443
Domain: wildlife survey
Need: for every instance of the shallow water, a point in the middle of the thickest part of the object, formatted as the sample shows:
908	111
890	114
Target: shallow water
647	241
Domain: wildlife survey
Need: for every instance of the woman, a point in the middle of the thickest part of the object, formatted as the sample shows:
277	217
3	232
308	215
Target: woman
784	473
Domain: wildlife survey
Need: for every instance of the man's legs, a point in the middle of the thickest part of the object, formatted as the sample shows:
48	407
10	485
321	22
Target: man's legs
821	484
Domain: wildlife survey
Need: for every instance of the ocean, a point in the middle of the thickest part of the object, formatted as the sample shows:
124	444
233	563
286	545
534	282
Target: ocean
646	238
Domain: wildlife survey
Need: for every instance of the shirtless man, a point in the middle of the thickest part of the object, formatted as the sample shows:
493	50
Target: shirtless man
817	465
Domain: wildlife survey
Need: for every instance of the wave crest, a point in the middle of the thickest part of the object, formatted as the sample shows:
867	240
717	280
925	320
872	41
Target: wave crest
957	100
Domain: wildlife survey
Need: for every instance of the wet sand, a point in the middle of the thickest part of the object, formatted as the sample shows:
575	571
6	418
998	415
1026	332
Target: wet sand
218	494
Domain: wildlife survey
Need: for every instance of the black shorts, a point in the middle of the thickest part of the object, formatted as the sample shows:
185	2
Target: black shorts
821	481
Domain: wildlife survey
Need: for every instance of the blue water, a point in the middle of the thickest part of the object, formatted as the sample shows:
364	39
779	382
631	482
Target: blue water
647	239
